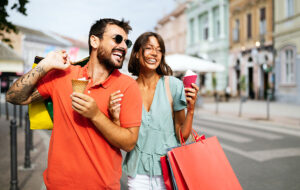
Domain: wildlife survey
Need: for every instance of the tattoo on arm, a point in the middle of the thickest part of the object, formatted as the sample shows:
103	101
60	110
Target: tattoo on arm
22	90
36	96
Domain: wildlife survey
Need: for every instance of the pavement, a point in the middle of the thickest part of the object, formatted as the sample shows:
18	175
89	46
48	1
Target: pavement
281	115
251	111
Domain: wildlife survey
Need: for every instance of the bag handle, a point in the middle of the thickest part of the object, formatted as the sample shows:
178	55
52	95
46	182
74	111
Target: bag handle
169	95
195	136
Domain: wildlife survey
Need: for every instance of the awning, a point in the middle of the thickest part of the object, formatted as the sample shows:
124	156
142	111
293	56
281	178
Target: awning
11	66
182	62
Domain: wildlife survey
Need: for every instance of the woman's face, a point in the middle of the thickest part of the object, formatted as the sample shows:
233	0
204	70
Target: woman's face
151	58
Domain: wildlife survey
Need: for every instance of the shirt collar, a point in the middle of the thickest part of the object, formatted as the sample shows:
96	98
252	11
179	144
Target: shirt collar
111	78
107	82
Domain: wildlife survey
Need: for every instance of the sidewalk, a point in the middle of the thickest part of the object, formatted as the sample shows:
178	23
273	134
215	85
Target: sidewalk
280	114
28	179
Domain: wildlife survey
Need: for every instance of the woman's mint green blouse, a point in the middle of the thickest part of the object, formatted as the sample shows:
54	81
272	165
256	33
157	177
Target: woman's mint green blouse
157	131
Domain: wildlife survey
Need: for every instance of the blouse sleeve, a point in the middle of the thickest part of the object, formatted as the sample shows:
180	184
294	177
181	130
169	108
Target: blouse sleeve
178	94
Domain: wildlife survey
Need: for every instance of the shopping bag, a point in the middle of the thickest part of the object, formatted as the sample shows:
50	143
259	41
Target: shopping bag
41	113
167	176
167	172
202	166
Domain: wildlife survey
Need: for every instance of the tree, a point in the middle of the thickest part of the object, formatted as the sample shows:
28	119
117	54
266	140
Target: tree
5	25
243	83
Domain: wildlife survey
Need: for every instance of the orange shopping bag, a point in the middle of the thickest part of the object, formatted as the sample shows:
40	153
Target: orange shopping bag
202	166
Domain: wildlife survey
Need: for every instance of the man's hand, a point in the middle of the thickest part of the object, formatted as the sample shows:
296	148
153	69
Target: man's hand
55	60
84	105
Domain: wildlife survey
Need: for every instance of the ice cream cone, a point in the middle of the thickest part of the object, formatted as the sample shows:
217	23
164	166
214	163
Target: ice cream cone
79	85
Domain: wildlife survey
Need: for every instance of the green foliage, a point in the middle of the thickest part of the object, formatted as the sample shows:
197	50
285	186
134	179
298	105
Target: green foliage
243	83
214	81
5	25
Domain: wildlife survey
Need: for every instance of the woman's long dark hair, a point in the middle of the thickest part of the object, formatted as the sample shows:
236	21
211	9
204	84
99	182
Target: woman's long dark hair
134	64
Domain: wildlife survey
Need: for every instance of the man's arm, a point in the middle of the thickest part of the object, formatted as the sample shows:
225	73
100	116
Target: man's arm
120	137
23	90
123	138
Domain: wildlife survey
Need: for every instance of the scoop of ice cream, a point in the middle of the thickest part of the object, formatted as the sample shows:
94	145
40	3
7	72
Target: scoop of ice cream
82	79
189	73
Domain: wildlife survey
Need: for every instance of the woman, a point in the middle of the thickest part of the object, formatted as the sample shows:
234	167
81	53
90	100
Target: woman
161	123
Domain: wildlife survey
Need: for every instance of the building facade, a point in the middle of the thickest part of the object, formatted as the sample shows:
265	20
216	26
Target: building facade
251	48
207	37
287	44
173	28
29	43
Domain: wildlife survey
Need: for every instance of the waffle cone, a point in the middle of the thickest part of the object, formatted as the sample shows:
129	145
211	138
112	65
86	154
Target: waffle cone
79	85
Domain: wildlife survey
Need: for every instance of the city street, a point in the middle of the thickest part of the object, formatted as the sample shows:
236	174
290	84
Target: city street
244	56
265	154
262	156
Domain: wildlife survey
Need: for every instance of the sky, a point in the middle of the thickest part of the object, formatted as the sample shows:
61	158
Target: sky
73	18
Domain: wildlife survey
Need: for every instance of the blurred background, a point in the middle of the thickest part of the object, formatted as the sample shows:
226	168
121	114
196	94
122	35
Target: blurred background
253	44
246	54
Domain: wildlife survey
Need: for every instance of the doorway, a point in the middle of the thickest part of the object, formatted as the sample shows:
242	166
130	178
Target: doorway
237	68
251	93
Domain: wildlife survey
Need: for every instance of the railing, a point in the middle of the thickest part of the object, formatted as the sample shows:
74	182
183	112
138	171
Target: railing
11	114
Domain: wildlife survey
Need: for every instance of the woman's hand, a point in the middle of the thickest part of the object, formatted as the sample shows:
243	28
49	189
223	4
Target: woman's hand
191	96
114	106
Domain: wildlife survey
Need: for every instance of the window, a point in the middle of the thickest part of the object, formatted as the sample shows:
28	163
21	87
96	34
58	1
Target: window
218	30
288	66
216	23
205	28
200	26
289	8
236	31
249	26
192	33
262	23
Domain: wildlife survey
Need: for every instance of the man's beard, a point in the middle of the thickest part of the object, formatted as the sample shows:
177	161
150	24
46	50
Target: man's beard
104	57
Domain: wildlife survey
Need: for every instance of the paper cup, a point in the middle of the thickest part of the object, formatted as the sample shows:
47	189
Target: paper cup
79	85
188	80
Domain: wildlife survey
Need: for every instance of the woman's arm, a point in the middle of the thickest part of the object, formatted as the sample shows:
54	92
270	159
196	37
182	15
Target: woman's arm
184	122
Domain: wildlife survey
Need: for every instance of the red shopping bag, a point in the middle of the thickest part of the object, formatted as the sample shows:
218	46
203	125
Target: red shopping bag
202	166
166	172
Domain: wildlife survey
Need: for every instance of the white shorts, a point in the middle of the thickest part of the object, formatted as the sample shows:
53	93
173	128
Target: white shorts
142	182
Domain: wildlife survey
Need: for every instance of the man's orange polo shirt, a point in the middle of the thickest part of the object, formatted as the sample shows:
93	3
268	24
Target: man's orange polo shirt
79	156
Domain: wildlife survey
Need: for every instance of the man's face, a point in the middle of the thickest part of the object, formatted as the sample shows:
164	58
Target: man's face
111	53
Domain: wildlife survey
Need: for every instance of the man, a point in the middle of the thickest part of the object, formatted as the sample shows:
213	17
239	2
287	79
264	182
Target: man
84	150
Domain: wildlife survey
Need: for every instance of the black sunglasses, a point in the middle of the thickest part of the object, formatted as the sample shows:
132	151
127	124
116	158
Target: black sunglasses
118	39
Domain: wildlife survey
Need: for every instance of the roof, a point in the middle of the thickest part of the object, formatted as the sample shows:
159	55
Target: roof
178	11
40	37
74	42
